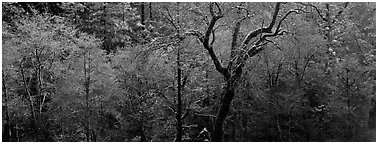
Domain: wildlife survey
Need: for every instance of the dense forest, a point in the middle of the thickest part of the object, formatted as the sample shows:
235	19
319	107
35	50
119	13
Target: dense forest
175	71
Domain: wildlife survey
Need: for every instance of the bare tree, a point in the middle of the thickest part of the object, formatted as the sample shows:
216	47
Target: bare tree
239	54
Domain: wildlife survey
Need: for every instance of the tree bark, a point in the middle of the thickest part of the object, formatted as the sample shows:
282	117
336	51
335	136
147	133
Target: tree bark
227	96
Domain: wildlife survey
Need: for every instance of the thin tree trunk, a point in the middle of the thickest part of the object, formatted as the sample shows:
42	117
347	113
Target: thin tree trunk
38	95
233	135
86	85
179	102
17	137
142	15
8	132
241	133
150	8
39	81
143	137
348	97
279	128
29	94
179	87
329	38
42	96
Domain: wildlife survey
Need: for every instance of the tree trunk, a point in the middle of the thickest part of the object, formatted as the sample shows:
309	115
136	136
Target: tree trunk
233	71
241	132
16	129
86	85
143	137
179	103
227	96
38	73
150	9
142	15
233	135
27	88
7	133
232	77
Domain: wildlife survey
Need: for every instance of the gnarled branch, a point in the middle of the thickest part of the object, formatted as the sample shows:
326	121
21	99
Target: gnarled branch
277	8
268	29
209	46
283	18
255	48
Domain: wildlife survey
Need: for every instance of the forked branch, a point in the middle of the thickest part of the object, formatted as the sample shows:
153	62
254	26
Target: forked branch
255	48
204	39
268	29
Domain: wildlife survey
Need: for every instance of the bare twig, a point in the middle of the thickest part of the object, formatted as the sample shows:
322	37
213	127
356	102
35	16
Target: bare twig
219	9
274	44
206	115
170	20
316	8
243	8
186	114
220	25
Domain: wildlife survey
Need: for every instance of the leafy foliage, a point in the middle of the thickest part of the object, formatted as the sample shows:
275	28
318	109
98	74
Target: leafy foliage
107	71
